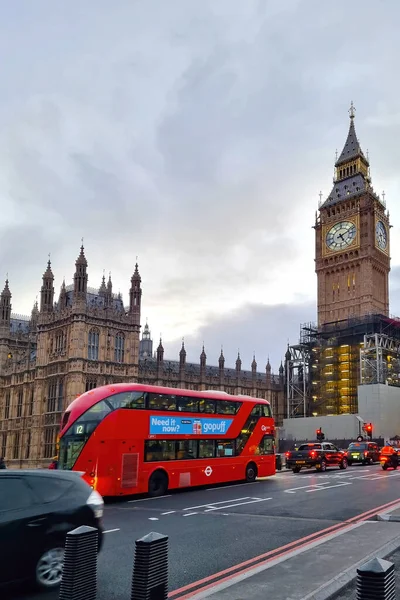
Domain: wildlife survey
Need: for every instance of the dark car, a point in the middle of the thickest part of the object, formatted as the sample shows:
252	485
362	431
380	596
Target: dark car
37	509
366	453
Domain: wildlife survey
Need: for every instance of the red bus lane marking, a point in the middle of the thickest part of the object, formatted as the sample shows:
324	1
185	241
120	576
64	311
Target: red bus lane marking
251	563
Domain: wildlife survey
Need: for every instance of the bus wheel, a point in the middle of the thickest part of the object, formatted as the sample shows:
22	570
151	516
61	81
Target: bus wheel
251	472
158	484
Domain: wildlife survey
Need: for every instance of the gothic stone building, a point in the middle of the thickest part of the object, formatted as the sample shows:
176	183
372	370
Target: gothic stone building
85	339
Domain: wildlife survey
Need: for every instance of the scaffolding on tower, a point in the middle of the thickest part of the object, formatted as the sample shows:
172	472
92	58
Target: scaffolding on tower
380	360
298	363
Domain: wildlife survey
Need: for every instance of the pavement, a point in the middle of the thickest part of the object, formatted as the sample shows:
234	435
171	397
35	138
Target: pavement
240	540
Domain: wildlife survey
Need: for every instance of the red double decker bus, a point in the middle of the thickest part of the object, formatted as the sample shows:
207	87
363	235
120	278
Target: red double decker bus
135	439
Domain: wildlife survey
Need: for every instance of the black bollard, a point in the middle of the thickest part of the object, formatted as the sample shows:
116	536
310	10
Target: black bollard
79	578
375	580
150	568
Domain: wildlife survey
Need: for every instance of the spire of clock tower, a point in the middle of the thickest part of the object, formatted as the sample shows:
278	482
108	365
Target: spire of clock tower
351	169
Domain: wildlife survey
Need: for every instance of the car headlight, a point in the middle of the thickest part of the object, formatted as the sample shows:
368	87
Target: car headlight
96	503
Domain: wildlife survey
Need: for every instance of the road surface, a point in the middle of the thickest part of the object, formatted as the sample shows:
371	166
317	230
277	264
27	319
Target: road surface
213	529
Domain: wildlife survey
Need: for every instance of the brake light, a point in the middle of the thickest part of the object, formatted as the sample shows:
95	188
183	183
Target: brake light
287	454
365	453
313	454
96	503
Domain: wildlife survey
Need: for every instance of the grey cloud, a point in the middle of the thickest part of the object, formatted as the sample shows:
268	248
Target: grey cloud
264	330
197	139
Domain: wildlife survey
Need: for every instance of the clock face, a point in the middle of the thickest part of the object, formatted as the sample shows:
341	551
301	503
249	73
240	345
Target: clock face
381	235
341	235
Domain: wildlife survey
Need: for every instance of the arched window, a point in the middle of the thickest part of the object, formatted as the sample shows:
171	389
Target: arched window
119	350
93	345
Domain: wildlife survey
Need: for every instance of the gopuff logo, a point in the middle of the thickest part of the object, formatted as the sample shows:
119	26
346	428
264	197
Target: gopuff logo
214	427
264	428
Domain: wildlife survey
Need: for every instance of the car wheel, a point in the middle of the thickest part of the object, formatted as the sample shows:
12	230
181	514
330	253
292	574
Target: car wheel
343	464
349	463
49	568
384	467
322	466
296	469
251	472
158	484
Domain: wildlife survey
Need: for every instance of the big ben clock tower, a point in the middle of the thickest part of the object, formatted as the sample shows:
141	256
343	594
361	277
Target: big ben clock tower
352	241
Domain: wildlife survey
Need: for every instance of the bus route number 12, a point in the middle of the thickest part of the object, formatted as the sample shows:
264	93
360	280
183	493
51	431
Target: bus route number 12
79	429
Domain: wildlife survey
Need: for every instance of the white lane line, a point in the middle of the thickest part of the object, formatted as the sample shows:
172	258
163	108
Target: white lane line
329	487
215	503
170	512
153	519
372	478
304	487
146	499
111	530
190	514
226	487
234	505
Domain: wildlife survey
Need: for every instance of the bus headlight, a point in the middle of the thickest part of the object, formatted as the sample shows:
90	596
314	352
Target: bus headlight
96	503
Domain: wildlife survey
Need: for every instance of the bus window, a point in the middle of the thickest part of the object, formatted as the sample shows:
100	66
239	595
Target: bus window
266	446
207	406
162	402
159	450
225	447
128	400
261	410
186	449
206	448
187	404
227	408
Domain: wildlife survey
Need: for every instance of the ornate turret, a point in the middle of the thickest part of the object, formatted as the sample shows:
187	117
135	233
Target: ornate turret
146	343
34	316
103	287
221	361
135	296
268	367
238	363
5	306
80	277
182	355
254	364
160	352
203	362
281	372
62	299
47	291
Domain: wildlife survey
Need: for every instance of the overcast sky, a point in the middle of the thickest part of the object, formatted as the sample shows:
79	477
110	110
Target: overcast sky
196	135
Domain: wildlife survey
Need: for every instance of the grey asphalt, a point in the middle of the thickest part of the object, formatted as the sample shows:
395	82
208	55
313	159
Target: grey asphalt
212	529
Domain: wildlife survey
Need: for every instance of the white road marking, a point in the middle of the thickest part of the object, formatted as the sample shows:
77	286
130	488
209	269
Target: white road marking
146	499
234	505
329	487
215	503
225	487
375	478
170	512
190	514
111	530
153	519
304	487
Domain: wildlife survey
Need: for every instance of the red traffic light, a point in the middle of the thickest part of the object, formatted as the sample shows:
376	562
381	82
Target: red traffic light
369	428
318	431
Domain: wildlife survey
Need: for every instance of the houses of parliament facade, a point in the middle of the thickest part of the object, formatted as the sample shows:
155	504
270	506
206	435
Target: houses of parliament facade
88	338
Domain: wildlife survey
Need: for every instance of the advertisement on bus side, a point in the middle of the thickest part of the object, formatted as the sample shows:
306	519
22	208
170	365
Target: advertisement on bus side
184	426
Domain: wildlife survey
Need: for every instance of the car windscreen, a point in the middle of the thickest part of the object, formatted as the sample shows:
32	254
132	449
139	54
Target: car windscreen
310	447
356	447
